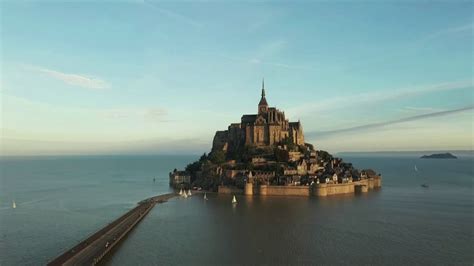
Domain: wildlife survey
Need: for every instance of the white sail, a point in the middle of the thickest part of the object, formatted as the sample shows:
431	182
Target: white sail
234	200
14	205
181	192
205	196
189	192
185	195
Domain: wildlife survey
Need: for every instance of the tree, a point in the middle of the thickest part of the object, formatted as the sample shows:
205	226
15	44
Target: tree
217	157
247	152
310	146
203	157
325	156
289	143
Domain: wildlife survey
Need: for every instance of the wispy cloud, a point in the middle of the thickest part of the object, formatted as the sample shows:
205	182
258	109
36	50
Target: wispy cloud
449	31
172	14
272	48
377	97
265	52
411	47
372	126
411	109
78	80
155	114
259	61
281	65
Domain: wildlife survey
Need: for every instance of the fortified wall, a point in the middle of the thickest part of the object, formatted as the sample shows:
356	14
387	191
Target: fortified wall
318	190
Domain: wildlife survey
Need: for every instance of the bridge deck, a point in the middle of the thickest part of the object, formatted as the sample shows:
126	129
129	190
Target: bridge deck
91	250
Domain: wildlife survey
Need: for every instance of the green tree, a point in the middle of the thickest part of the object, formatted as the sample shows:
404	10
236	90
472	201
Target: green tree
217	157
289	143
325	156
203	157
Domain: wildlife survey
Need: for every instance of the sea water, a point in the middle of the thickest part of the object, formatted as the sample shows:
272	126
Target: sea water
61	200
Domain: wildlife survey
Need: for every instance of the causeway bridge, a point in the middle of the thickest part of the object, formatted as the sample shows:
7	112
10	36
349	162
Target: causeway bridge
93	249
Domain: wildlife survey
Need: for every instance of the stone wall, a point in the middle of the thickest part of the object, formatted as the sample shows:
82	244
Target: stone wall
345	188
229	190
249	189
285	190
319	190
377	182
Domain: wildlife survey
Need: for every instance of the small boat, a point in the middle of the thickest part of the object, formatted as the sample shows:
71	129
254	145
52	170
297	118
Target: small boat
234	200
425	185
13	205
416	168
181	192
205	196
189	192
185	195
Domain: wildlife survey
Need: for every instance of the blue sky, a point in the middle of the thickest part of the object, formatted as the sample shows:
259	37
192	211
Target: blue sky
162	77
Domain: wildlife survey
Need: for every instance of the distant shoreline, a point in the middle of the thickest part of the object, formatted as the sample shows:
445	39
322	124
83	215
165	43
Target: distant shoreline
446	155
458	153
52	156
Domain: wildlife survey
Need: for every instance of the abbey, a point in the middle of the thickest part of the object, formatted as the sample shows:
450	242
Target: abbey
266	128
266	154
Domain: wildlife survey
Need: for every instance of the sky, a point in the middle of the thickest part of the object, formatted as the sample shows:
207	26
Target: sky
148	77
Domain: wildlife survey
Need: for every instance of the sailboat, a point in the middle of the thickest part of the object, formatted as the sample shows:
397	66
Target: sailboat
189	192
205	196
424	185
181	192
234	200
185	195
14	205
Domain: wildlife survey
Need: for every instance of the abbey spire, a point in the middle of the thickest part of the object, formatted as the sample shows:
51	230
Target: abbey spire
263	105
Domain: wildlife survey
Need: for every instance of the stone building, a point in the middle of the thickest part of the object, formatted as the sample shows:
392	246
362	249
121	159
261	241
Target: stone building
268	127
179	178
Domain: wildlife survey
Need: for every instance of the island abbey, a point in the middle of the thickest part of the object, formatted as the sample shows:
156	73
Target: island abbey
268	127
266	154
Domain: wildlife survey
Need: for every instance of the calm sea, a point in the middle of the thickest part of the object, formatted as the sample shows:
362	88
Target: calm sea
61	200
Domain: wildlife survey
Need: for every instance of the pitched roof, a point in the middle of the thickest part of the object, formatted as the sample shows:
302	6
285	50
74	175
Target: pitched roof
263	101
248	119
295	124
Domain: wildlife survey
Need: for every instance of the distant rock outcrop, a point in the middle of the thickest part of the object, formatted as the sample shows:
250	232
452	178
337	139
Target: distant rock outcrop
446	155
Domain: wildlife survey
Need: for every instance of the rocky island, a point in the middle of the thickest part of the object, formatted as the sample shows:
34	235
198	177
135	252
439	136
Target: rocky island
266	154
446	155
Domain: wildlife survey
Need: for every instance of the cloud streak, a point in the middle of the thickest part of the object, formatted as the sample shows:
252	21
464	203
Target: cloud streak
174	15
377	97
446	32
258	61
154	114
388	123
269	50
78	80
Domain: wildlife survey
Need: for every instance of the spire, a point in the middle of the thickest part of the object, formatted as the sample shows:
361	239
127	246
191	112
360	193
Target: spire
263	105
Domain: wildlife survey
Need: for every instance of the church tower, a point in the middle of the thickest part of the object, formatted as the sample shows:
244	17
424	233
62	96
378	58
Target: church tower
263	105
